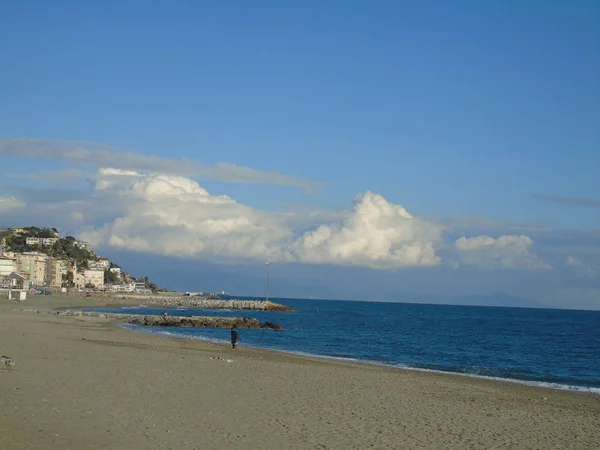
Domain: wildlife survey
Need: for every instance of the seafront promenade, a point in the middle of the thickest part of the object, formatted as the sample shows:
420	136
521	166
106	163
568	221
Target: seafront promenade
81	382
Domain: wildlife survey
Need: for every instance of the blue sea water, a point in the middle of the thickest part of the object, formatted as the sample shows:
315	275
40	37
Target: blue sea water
548	347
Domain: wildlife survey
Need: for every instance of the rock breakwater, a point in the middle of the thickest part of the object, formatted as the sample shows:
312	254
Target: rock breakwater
201	302
177	321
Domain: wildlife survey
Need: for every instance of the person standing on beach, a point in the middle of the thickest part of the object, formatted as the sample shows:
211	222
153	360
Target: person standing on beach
234	336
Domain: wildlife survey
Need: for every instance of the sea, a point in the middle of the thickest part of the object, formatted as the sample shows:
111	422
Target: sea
553	348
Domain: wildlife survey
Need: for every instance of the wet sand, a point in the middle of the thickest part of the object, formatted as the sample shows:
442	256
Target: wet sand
83	383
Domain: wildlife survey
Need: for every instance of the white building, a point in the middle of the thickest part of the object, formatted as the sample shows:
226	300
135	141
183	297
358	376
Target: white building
94	265
94	278
40	241
82	244
127	287
79	279
7	266
116	270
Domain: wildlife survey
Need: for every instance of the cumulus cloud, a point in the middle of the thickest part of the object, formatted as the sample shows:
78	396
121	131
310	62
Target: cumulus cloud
95	156
376	233
171	215
175	216
504	252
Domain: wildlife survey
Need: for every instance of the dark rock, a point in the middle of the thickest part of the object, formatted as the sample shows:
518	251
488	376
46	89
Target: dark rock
272	326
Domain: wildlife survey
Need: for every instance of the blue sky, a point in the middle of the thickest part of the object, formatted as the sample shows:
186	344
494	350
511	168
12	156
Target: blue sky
450	109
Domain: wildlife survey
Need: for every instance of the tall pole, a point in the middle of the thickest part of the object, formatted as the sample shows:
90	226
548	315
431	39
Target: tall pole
268	264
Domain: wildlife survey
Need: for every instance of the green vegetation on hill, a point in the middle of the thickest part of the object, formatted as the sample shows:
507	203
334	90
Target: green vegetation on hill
63	248
110	277
66	249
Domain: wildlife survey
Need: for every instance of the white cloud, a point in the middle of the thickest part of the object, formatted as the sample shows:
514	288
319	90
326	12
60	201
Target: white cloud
95	156
504	252
175	216
10	204
578	265
376	233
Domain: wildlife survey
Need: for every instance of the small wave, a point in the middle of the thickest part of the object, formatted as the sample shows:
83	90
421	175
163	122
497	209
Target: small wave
542	384
176	334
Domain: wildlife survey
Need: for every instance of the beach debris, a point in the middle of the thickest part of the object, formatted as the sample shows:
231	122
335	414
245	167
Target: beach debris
222	359
6	360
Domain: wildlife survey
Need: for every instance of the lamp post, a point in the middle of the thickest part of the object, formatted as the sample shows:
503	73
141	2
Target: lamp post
268	264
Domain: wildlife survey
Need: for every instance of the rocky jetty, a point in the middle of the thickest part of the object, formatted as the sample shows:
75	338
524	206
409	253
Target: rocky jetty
178	321
202	302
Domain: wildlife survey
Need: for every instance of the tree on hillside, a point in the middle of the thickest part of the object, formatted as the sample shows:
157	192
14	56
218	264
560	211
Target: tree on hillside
67	279
110	277
45	233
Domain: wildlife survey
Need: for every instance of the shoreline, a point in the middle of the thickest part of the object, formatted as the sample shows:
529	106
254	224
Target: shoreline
126	302
85	382
575	389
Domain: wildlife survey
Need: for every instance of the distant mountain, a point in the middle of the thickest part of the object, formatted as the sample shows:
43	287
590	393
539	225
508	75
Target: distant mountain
497	299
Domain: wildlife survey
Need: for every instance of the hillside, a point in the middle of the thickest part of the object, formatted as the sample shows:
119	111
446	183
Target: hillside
65	248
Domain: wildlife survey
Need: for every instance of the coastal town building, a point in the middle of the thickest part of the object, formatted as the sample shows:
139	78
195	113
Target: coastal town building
54	272
94	278
100	264
7	266
125	287
44	242
33	266
45	268
14	281
82	245
79	279
94	265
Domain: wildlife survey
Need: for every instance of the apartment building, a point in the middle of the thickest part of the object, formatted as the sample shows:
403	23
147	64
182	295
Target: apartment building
33	266
94	277
54	272
7	266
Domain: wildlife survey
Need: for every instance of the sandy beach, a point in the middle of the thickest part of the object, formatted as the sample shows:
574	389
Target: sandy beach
83	383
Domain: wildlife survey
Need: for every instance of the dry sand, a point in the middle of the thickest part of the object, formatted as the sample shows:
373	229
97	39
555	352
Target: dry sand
83	383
